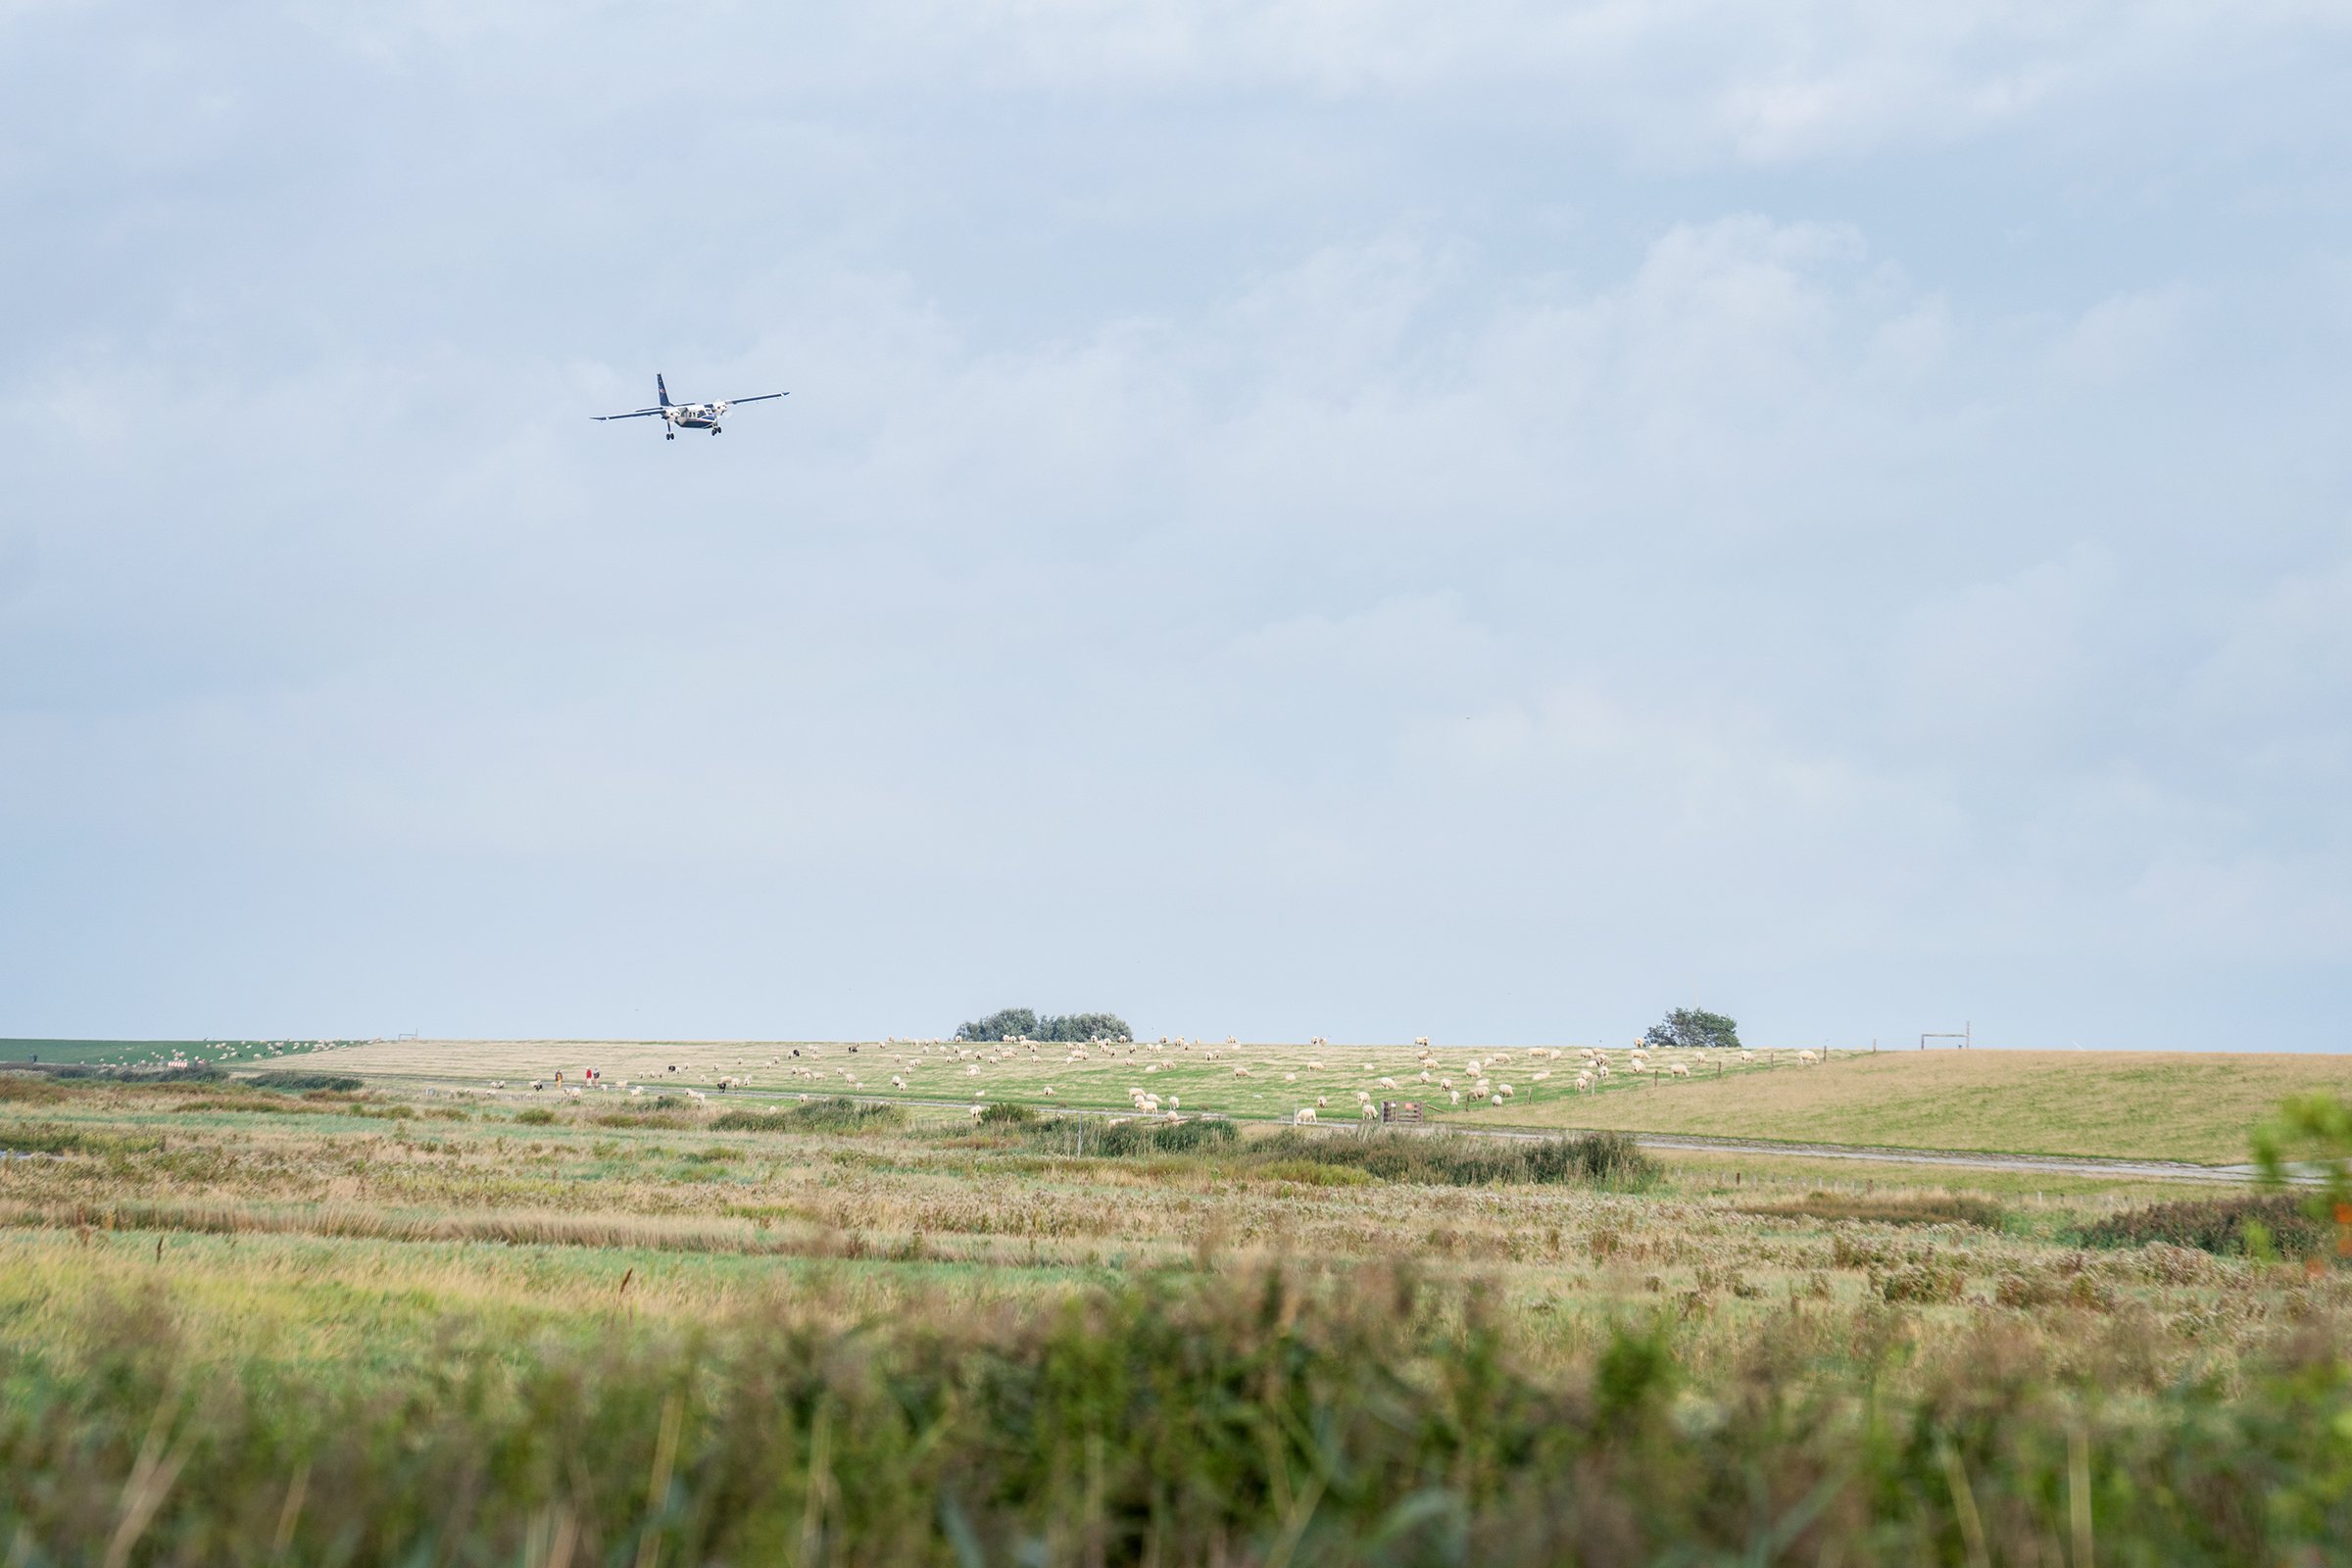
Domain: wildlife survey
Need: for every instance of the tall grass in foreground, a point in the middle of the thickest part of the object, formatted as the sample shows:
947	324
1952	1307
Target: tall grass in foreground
1178	1419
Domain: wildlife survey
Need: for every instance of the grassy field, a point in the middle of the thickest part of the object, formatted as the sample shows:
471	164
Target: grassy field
2144	1105
135	1053
405	1324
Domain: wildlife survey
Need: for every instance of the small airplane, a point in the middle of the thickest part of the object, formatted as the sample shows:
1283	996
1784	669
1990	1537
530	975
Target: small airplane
685	416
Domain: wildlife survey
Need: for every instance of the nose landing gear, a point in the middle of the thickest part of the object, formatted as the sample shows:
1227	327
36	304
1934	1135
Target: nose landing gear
670	435
715	429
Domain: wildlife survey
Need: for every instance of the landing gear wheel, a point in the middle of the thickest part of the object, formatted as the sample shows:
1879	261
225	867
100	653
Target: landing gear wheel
715	429
670	435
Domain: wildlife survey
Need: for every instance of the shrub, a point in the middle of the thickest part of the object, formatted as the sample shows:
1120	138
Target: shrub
1927	1280
291	1078
1924	1210
535	1116
839	1115
1609	1158
1006	1114
28	1087
2215	1225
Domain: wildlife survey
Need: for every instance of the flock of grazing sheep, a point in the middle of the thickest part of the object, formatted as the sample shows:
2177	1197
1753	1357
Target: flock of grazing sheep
1474	1080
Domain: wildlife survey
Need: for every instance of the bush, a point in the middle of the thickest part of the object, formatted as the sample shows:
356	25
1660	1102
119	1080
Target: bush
535	1116
1129	1140
839	1115
1006	1114
2215	1225
1926	1209
292	1078
1607	1158
202	1072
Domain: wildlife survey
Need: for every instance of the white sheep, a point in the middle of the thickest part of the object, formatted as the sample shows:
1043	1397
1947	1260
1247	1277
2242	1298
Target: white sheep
1048	1089
1679	1070
1290	1077
1422	1040
1387	1083
636	1089
1583	1083
1304	1116
1173	1102
1806	1057
1497	1099
976	1110
1504	1092
1322	1099
1456	1094
1314	1067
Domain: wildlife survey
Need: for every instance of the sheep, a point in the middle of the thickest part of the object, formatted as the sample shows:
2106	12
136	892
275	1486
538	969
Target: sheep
1173	1102
1539	1077
1456	1094
1314	1067
498	1083
573	1093
896	1081
1504	1092
1290	1077
976	1110
636	1089
1583	1083
1422	1040
1806	1059
1387	1083
536	1083
1048	1089
1747	1055
1679	1070
1497	1099
1445	1083
1304	1116
695	1094
1367	1112
1425	1075
1322	1099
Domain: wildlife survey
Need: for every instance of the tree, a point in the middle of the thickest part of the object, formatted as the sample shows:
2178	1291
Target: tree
1005	1023
1693	1026
1085	1026
1023	1023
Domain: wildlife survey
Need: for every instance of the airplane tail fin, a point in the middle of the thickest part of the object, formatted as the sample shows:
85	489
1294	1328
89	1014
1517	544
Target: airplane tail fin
661	387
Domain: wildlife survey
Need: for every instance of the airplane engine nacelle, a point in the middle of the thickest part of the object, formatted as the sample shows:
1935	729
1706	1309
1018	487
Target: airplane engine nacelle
719	409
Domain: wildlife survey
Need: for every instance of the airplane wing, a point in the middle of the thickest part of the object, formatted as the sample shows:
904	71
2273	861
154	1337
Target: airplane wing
639	414
762	398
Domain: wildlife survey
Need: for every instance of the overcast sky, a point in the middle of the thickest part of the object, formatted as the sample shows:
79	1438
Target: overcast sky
1486	520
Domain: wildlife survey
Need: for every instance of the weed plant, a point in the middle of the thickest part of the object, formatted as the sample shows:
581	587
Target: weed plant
2217	1225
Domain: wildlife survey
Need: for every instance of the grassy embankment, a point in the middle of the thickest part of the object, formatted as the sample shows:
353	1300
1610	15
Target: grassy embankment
2139	1105
245	1326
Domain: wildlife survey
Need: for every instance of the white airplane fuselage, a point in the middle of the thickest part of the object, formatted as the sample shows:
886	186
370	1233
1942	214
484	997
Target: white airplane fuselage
696	416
